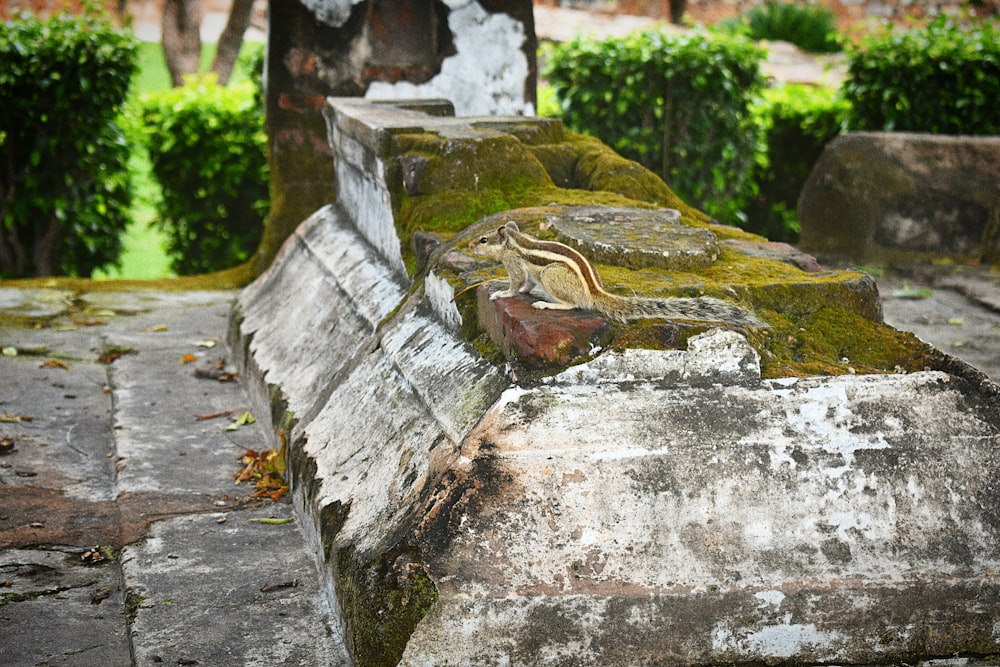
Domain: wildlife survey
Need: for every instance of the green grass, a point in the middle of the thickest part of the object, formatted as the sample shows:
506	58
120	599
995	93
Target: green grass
144	256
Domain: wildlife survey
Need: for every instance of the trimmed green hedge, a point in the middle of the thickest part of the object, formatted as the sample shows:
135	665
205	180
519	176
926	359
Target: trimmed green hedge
943	79
798	122
64	190
809	27
207	147
678	104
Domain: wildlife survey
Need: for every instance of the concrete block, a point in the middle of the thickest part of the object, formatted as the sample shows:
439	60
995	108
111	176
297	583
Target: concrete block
177	620
342	291
643	507
879	195
822	520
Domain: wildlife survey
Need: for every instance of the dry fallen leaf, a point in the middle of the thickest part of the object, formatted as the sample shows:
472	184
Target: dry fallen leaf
188	358
266	469
242	420
54	363
213	415
216	372
113	352
10	418
273	586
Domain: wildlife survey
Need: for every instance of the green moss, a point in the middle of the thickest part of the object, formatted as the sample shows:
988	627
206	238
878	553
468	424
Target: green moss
383	601
451	182
133	603
820	323
600	168
835	341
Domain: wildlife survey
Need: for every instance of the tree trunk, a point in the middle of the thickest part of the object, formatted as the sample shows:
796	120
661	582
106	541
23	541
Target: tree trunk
231	39
46	248
677	8
181	37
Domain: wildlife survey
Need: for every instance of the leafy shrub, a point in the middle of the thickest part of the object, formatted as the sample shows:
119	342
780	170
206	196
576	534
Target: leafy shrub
809	27
251	63
798	122
677	104
64	191
944	79
207	147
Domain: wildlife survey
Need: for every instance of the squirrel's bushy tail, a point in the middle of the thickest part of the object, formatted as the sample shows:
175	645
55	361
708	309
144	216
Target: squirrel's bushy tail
702	309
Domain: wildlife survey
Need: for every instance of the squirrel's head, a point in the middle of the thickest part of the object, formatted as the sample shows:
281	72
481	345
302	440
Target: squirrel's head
491	242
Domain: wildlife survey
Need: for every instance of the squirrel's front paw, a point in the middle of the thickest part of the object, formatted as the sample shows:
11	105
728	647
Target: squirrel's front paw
505	294
550	305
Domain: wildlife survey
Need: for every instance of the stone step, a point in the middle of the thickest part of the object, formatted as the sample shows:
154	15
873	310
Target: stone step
123	539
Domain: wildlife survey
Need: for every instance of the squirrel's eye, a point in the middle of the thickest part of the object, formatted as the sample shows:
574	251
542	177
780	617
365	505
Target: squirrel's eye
484	240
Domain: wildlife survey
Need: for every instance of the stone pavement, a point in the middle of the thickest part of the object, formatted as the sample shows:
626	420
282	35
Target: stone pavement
123	538
956	308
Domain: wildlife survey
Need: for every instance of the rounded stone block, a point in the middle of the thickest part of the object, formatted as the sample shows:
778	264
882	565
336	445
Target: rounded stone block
635	238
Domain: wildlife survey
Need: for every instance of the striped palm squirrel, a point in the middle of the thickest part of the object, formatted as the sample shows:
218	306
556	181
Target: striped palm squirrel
569	281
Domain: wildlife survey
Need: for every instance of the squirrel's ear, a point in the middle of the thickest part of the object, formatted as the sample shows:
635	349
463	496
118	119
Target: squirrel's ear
512	226
501	232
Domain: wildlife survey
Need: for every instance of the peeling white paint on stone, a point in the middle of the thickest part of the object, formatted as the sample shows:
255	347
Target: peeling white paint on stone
367	198
350	291
783	641
374	288
770	598
441	296
715	357
373	443
705	525
486	76
453	381
331	12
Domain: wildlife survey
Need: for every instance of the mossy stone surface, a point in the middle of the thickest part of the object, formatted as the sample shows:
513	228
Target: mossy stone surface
825	323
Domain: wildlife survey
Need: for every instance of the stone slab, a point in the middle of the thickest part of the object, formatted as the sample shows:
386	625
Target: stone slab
877	195
161	386
839	520
115	446
635	238
34	303
781	252
54	592
64	442
234	593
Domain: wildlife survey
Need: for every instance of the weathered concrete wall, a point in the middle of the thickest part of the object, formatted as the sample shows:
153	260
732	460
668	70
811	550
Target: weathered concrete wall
490	72
643	512
692	504
481	55
879	195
